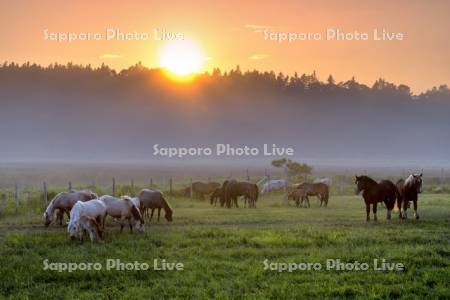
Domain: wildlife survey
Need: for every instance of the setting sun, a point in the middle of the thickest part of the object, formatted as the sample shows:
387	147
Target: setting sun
181	58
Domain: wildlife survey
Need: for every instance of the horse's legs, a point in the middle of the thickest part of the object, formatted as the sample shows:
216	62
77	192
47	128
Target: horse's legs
235	200
59	216
374	209
399	206
368	211
415	209
159	213
151	215
388	216
129	224
405	207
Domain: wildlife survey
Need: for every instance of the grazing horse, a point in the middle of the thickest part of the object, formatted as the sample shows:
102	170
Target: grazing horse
374	192
63	202
217	194
299	196
233	189
200	189
409	190
321	190
275	184
93	209
124	209
151	199
93	229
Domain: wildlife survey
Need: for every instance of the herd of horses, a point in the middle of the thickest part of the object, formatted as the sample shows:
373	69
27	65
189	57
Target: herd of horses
87	212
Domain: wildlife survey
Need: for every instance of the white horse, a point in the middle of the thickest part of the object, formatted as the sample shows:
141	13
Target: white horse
327	181
93	209
124	209
275	184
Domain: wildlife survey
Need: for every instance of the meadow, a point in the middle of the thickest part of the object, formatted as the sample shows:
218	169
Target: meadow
223	253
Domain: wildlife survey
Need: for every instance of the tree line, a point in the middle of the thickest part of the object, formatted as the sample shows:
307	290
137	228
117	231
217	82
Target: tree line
267	81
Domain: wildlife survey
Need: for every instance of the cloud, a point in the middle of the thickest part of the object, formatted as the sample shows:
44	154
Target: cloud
257	28
110	56
258	56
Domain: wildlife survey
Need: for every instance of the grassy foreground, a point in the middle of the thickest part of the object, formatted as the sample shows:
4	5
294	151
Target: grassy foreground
223	252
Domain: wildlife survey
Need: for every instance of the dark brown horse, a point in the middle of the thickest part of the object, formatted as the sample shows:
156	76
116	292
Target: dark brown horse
409	190
216	195
233	189
320	190
374	192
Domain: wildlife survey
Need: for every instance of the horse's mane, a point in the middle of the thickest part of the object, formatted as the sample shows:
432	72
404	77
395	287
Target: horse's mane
166	204
367	179
75	212
136	214
410	180
49	209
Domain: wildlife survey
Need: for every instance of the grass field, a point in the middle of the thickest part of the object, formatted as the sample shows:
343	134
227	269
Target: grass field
223	252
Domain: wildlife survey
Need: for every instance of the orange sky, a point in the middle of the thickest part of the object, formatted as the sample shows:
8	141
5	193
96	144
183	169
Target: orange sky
225	30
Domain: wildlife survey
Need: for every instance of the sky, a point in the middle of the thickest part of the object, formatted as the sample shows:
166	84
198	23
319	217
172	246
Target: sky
231	33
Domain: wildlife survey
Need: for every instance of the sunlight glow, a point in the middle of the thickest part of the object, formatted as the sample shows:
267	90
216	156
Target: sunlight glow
182	58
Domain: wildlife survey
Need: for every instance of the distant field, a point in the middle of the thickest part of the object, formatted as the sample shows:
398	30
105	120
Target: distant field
223	252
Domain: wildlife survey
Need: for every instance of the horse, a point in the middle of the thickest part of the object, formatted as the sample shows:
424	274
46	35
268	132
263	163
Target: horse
217	194
91	226
200	189
233	189
275	184
94	209
327	181
321	190
124	209
374	192
151	199
409	190
299	196
63	202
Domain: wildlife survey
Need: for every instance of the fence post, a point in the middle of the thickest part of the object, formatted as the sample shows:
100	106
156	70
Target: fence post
114	186
442	178
151	182
16	196
70	186
170	186
248	175
45	194
191	191
285	183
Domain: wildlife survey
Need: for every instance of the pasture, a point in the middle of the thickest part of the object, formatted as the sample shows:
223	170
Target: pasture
223	251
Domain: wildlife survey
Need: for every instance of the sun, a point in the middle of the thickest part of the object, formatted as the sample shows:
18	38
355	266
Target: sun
182	58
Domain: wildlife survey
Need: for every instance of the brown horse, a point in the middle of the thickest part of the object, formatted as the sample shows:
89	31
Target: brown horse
374	192
321	190
200	189
216	195
409	190
233	189
151	199
299	196
63	203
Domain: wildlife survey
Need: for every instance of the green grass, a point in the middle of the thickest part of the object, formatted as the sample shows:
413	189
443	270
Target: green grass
223	252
